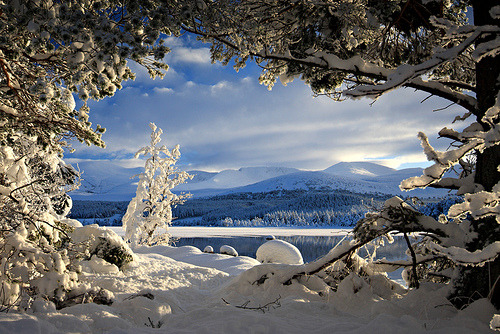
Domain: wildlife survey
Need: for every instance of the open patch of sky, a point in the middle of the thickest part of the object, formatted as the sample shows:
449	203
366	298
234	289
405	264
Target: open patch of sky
223	119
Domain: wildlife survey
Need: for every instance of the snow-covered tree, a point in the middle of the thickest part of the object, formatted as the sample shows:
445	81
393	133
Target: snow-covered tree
33	241
149	213
52	52
365	48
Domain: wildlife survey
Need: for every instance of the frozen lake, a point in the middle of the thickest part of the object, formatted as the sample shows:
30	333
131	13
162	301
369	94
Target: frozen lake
311	242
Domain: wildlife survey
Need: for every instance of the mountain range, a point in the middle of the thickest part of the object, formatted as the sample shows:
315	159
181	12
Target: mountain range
105	181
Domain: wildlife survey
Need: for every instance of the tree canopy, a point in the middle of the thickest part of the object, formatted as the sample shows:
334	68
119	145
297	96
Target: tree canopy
50	50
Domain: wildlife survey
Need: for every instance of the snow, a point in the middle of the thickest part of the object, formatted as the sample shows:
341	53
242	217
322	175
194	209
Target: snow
357	169
184	290
208	249
228	250
279	251
237	178
98	265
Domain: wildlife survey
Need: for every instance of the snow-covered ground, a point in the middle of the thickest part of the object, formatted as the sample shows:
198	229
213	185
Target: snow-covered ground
183	290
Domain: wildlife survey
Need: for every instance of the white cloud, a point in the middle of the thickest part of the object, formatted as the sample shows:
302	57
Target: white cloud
222	120
163	90
220	87
199	56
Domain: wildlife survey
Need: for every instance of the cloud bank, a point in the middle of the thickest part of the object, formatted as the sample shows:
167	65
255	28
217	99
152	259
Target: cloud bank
223	119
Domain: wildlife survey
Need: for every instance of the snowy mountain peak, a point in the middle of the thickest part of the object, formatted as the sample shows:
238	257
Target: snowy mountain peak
359	169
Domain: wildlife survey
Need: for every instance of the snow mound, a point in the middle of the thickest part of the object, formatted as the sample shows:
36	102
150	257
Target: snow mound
99	266
208	249
225	249
279	251
144	310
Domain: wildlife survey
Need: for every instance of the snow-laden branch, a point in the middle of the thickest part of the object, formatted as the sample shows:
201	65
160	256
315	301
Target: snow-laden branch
360	67
443	162
311	268
486	49
479	205
493	112
9	110
406	73
462	186
462	256
472	138
384	263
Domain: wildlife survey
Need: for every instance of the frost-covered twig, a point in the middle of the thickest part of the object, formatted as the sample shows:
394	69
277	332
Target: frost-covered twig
263	308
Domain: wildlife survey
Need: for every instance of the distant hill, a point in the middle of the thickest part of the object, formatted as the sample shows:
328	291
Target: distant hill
384	184
231	178
359	169
105	181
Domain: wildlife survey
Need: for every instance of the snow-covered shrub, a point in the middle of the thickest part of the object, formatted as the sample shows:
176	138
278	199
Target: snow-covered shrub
279	251
52	52
150	211
103	243
228	250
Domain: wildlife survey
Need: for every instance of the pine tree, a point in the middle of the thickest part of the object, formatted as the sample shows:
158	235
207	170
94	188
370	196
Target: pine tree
149	213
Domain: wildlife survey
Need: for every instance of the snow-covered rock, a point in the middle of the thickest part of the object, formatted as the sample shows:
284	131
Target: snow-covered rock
225	249
279	251
208	249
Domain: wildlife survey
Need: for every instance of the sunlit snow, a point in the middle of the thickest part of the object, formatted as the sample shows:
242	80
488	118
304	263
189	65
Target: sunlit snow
183	290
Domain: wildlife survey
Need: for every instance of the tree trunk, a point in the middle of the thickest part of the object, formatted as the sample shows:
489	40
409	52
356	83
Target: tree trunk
477	282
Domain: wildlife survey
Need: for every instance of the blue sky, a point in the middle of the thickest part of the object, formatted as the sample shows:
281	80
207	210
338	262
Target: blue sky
227	120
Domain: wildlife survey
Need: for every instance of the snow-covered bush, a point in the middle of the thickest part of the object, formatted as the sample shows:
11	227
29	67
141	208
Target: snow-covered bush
149	213
103	243
50	53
